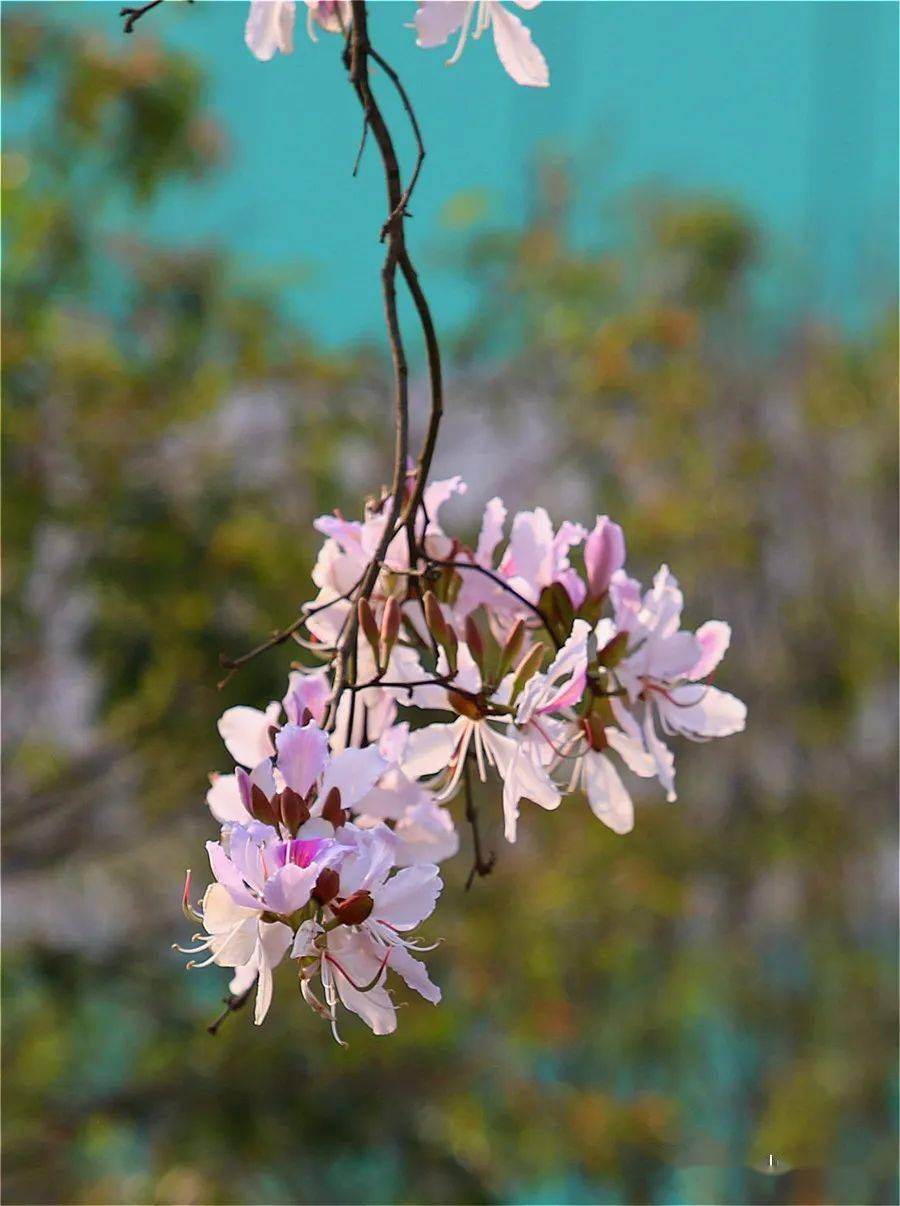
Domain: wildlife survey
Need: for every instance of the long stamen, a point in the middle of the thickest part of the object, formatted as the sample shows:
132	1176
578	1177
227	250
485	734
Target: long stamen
454	58
361	987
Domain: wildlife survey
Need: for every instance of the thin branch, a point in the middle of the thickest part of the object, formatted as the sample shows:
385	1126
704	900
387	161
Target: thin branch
481	866
133	13
501	582
233	1002
401	210
356	57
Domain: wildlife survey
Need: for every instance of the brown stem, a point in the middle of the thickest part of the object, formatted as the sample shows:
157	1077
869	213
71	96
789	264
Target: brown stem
504	585
232	1004
357	54
481	866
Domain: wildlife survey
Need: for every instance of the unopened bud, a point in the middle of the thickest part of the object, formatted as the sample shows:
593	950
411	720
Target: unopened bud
294	809
526	669
390	628
474	641
327	886
464	705
613	651
604	554
556	603
368	625
434	617
331	809
355	909
260	806
512	647
440	630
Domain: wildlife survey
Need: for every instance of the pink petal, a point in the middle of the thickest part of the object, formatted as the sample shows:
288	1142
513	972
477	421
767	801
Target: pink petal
516	51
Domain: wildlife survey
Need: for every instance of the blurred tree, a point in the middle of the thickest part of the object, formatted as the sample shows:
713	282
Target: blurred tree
624	1020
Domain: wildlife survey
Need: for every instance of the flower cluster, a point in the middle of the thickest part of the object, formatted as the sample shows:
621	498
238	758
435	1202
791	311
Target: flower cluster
270	28
539	664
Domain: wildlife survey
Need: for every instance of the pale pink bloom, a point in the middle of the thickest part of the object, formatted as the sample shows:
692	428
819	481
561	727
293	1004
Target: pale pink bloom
436	20
596	774
308	691
604	555
246	732
270	28
441	749
664	666
536	557
334	16
349	548
353	961
237	938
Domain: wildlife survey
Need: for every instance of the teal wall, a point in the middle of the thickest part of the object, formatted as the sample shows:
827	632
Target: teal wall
789	109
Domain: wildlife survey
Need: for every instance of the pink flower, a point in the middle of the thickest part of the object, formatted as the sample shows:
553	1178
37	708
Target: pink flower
436	20
604	555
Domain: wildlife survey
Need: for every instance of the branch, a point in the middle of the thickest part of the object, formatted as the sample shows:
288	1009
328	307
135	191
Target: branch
133	14
501	582
232	1002
481	866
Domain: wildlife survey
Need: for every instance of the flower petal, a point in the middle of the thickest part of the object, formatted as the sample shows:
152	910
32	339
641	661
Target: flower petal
516	50
409	897
607	794
302	755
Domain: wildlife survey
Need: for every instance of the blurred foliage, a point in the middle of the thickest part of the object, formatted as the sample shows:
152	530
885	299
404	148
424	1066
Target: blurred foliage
639	1020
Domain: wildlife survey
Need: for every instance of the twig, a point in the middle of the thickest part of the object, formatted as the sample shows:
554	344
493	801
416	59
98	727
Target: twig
133	14
501	582
401	210
232	1004
481	866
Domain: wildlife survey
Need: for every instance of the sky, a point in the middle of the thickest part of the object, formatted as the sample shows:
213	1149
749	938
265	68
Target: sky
788	109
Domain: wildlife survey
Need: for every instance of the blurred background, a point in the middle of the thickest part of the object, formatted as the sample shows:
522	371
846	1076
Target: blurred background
666	290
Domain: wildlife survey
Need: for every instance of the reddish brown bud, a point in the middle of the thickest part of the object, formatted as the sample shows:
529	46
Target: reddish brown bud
260	807
355	909
294	809
390	628
526	669
512	647
440	629
327	886
613	651
368	625
464	705
331	809
474	641
434	617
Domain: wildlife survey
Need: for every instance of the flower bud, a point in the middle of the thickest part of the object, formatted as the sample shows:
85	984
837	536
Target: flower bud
464	705
613	651
474	641
434	617
526	669
355	909
483	645
440	629
512	647
260	806
369	627
327	886
331	809
390	628
604	554
294	809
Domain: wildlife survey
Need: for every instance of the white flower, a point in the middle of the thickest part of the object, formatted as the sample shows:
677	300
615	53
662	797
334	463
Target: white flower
436	20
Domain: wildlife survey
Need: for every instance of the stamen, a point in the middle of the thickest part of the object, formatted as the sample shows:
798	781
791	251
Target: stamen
454	58
361	987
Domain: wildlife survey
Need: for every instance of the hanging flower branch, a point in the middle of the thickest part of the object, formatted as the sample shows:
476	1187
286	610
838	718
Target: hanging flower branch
547	675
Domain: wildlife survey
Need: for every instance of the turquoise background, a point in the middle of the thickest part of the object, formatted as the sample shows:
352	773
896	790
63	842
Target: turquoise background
789	109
